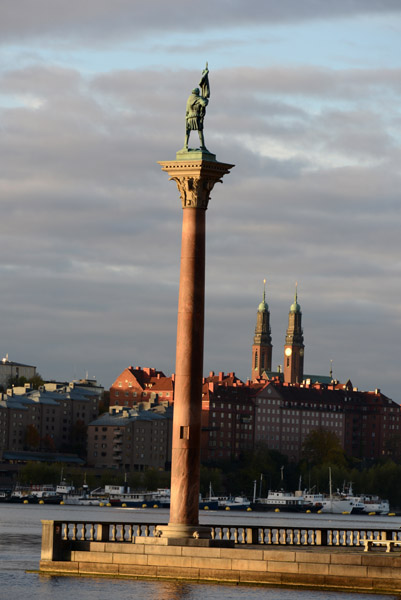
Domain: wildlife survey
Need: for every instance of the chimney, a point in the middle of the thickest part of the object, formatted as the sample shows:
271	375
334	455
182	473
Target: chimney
221	375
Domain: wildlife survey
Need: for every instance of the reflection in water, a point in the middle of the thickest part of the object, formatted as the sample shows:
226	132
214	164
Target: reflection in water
91	588
173	591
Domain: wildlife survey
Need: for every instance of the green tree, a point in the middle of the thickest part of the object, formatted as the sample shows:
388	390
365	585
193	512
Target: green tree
322	446
32	438
36	381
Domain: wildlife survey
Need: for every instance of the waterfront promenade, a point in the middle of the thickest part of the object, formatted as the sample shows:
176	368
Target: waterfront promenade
311	555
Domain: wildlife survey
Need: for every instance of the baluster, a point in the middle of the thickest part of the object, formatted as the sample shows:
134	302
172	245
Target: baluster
74	532
235	535
64	531
269	536
130	532
82	531
91	532
221	533
113	533
213	533
146	532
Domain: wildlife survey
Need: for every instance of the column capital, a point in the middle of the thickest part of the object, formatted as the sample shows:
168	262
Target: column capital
195	179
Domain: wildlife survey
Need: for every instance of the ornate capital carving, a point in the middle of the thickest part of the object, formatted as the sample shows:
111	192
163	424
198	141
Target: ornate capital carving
195	179
194	191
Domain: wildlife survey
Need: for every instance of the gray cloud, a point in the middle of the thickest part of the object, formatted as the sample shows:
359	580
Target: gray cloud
90	228
103	21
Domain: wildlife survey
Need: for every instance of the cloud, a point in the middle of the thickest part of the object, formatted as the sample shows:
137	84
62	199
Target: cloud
90	229
95	22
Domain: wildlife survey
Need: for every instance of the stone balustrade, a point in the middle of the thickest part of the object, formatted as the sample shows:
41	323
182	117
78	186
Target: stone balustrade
312	557
60	532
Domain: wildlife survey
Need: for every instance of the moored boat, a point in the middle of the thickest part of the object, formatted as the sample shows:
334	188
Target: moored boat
286	502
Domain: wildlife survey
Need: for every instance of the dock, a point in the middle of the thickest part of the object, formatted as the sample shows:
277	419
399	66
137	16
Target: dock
309	557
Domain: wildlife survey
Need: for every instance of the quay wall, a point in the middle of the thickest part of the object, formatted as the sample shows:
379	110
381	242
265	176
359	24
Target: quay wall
318	567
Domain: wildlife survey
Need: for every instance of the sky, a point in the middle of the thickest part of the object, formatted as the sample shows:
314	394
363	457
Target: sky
305	102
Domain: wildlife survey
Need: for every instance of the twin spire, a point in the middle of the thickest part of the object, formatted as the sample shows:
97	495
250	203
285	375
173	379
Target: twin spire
294	346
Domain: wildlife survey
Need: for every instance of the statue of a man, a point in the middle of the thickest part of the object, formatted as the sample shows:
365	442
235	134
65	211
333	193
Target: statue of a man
196	109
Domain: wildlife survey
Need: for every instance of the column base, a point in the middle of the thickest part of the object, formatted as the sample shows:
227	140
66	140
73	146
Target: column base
195	154
190	535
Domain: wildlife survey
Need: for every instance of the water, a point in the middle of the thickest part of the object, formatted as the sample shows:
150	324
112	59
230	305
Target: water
20	539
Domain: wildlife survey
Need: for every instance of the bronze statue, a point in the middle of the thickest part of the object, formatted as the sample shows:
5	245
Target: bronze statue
196	109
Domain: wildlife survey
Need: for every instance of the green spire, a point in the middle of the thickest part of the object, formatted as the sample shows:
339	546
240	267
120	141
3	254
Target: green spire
295	308
263	306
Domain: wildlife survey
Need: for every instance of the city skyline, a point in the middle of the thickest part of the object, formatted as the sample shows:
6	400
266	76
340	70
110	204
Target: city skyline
304	101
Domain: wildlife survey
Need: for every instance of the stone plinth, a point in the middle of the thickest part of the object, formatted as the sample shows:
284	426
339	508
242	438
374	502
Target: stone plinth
347	570
195	174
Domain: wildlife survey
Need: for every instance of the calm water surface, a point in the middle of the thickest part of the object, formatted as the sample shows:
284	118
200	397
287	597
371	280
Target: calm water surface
20	538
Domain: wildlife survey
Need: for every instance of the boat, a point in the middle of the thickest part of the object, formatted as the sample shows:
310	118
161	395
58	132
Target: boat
121	495
338	503
286	501
374	504
333	503
234	503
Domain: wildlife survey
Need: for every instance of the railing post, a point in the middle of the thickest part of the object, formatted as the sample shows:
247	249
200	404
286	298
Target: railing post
51	540
252	535
321	537
102	533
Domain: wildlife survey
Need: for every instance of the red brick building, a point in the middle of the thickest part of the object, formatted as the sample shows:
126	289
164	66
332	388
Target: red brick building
364	422
228	415
136	385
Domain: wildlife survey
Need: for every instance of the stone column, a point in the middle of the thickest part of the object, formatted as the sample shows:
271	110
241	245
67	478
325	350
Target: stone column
195	174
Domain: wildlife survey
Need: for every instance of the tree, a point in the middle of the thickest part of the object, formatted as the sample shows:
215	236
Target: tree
36	381
32	438
48	444
322	446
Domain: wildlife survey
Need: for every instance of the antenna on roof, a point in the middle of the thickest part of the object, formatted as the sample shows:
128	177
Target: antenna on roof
331	369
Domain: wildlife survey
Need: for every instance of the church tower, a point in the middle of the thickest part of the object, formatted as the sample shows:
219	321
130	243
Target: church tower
294	345
262	341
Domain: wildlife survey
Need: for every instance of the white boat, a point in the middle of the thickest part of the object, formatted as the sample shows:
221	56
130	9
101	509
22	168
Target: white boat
286	502
77	500
374	504
234	503
330	504
338	503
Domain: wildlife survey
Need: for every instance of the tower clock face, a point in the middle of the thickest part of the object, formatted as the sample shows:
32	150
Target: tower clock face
288	351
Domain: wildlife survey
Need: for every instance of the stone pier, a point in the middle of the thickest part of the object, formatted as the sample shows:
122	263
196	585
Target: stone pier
312	558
